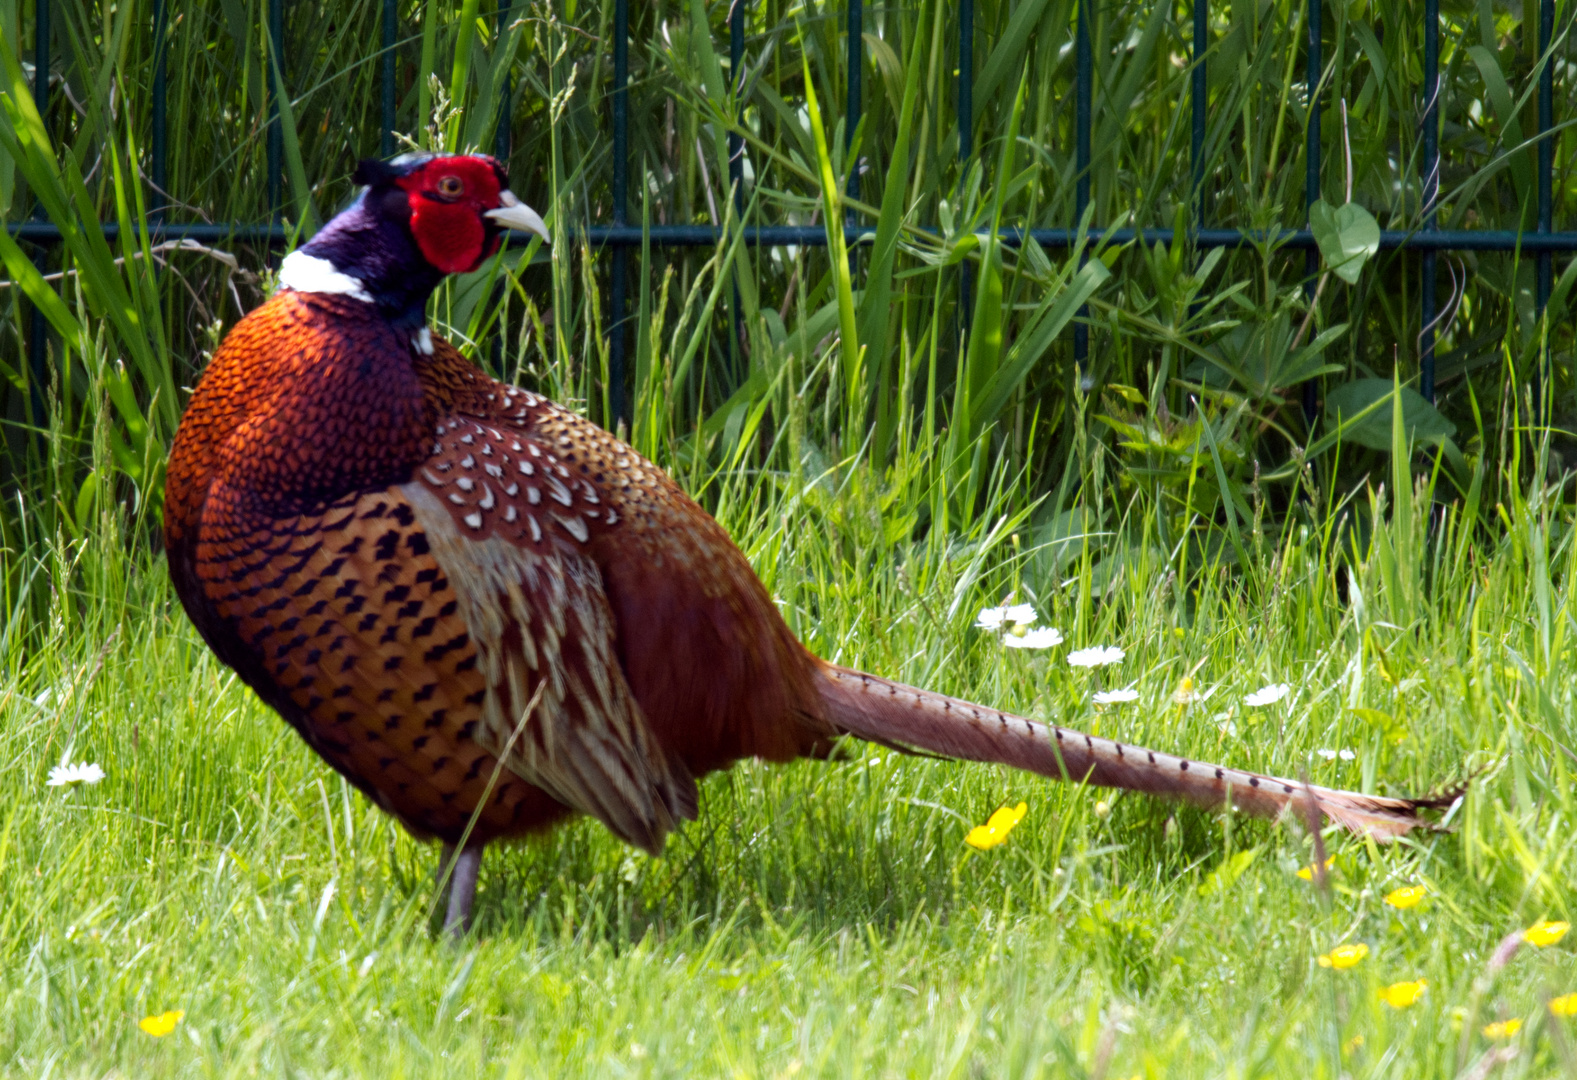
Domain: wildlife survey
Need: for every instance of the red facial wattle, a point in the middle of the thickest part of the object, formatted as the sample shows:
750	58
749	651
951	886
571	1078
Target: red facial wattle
448	198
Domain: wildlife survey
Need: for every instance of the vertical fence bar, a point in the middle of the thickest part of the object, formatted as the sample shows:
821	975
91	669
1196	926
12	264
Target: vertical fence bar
1084	76
621	168
276	71
851	117
1311	181
390	28
506	94
966	137
966	81
41	57
736	153
501	144
38	329
851	113
1430	194
736	72
159	148
1197	143
1200	46
1546	176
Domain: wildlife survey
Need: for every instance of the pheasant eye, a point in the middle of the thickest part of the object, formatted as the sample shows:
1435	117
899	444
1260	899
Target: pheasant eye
450	186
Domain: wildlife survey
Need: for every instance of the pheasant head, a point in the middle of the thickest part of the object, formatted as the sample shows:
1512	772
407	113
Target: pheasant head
419	217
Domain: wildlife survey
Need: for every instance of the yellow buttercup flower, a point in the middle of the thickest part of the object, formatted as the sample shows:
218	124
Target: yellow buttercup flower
996	830
1307	873
1502	1029
1401	995
1565	1005
1405	897
1544	932
161	1025
1344	956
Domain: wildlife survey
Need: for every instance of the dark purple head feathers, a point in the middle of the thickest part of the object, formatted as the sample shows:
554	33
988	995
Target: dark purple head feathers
371	242
418	218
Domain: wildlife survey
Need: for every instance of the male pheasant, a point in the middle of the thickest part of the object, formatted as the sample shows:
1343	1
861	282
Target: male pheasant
487	613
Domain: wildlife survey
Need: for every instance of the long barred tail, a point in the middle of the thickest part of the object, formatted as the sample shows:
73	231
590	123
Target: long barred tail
887	712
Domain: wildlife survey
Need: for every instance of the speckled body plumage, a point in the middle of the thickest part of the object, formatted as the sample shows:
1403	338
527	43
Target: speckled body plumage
486	612
331	543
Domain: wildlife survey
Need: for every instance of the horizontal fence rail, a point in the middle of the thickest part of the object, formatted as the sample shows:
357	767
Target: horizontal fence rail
1428	241
627	236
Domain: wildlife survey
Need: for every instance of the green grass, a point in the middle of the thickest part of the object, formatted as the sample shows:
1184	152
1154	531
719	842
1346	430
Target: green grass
888	477
826	918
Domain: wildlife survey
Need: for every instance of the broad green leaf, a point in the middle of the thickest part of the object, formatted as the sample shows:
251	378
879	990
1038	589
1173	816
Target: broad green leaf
1422	420
1348	237
1255	356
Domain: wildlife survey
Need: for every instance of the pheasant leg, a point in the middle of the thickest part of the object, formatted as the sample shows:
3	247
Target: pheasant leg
462	870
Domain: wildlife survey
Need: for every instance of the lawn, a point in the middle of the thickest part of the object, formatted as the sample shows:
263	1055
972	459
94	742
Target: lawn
827	918
898	436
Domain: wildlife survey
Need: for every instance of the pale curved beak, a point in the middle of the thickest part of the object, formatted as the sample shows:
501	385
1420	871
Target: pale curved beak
514	214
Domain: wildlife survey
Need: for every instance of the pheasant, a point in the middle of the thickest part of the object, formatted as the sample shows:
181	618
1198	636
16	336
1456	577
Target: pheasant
488	614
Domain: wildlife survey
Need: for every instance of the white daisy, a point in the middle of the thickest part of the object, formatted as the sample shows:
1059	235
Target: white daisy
1116	697
1023	638
61	775
1332	755
1267	695
993	618
1096	657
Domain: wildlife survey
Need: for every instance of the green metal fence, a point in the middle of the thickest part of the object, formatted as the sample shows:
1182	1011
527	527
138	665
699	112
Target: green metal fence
619	235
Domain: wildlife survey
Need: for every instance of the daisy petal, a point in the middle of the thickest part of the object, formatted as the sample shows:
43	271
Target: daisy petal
1043	638
61	775
1021	614
1097	656
991	618
1267	695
